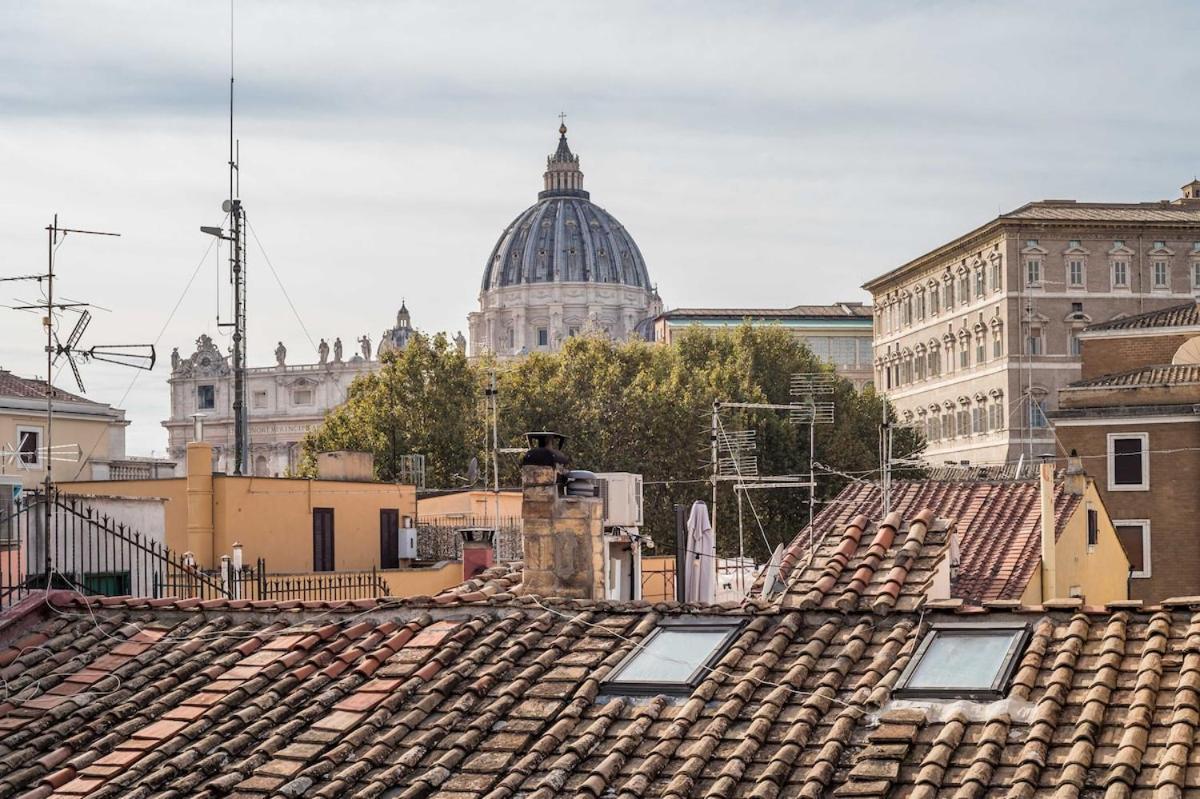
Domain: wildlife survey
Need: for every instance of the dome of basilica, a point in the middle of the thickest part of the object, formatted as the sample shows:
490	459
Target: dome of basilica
564	238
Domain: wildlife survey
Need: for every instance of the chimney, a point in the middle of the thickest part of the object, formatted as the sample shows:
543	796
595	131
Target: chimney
1076	479
562	535
200	502
1049	539
478	553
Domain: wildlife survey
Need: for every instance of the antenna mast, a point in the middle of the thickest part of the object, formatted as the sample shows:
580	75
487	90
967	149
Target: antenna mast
237	276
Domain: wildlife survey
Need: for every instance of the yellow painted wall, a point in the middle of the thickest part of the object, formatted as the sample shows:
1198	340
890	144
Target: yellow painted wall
658	578
1102	573
272	518
471	503
91	435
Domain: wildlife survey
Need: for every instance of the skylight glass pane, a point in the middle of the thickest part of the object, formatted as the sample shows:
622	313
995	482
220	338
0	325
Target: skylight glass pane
961	660
672	656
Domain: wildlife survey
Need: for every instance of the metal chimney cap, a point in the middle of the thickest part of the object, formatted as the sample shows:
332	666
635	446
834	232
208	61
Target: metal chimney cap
546	439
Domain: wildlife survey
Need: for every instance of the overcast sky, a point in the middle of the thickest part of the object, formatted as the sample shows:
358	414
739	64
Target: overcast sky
761	154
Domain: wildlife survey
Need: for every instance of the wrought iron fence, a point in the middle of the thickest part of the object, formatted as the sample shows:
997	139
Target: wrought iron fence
438	536
58	541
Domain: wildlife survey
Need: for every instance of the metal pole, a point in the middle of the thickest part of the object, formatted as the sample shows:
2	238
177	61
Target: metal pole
812	489
239	343
681	553
51	239
495	401
715	465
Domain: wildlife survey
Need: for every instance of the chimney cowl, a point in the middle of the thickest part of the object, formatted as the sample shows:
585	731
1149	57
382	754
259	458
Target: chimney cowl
545	449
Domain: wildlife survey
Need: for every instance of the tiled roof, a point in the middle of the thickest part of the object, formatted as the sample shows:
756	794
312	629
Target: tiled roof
998	524
25	388
167	699
839	310
1169	375
1185	315
1069	211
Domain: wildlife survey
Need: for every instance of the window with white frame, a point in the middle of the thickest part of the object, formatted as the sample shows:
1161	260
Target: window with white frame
1074	342
964	421
1120	274
206	397
997	342
980	349
964	288
948	425
997	275
1134	535
1161	275
980	281
948	292
935	363
933	301
543	337
921	306
996	415
673	658
29	443
1037	413
1075	273
302	396
964	354
978	424
1196	274
1128	462
1033	273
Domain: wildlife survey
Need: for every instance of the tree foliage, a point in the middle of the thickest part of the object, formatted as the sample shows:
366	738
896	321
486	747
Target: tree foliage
632	407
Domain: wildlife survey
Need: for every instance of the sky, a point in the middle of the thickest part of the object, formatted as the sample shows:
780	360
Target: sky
761	154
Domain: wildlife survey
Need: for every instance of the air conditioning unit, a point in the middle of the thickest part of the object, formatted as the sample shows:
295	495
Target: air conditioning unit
622	496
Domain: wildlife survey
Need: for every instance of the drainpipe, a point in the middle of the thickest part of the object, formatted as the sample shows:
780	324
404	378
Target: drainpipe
199	483
1046	482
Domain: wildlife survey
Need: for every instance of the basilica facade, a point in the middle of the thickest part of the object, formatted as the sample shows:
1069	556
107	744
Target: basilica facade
285	400
564	266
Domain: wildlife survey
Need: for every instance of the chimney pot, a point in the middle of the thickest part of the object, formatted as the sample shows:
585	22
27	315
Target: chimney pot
478	554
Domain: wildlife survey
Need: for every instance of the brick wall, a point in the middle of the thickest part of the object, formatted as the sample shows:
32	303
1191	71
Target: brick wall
1106	356
1172	504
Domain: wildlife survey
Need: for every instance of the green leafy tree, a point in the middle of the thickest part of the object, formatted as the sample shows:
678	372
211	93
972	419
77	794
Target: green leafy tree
632	407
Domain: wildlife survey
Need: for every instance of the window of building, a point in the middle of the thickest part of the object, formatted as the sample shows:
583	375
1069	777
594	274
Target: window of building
1196	275
111	583
980	282
1160	245
29	443
996	415
1128	462
1031	242
1134	535
980	350
1118	244
302	396
950	358
920	305
543	337
920	367
997	275
206	397
933	302
1037	413
997	343
948	291
842	350
1073	244
964	422
673	659
864	350
1160	275
1033	273
1035	344
258	400
964	661
948	425
935	363
1093	528
978	423
1120	274
964	356
323	540
964	288
1074	342
1075	273
572	331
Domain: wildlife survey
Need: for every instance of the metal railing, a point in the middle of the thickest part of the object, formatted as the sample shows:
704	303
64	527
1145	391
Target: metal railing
438	537
58	541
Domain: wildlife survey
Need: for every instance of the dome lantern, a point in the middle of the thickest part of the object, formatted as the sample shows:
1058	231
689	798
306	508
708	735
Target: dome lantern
562	177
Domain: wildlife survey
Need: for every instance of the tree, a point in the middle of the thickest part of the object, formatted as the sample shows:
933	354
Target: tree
423	401
632	407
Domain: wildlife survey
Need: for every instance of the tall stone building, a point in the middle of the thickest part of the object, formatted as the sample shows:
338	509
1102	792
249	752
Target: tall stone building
974	339
562	267
285	400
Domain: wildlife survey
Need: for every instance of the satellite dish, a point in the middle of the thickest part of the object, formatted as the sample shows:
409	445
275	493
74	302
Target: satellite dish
473	471
226	206
1188	352
771	582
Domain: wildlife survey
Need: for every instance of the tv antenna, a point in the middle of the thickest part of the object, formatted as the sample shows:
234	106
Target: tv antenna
138	356
236	236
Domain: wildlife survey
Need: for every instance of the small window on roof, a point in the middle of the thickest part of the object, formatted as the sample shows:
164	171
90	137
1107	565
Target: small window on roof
674	658
972	661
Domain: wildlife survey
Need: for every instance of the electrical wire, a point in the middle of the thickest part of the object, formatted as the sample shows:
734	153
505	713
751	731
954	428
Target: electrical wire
279	282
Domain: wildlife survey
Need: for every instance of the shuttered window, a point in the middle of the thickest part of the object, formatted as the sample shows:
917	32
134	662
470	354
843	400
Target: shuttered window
323	539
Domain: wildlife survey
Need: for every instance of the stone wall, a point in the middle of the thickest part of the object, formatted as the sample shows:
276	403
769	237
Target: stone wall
1106	356
562	539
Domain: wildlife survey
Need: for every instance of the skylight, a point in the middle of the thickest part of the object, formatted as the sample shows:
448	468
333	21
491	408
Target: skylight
674	658
973	661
